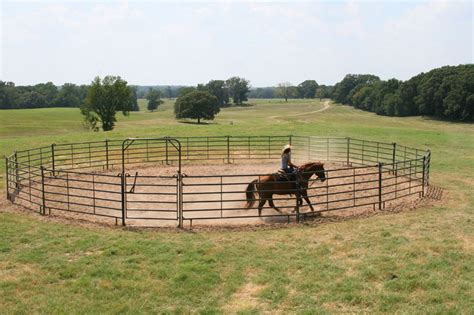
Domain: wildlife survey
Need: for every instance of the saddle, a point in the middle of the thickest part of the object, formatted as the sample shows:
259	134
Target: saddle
282	176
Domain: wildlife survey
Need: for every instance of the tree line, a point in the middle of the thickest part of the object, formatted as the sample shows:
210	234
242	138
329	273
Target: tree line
234	89
306	89
45	95
446	92
166	91
286	90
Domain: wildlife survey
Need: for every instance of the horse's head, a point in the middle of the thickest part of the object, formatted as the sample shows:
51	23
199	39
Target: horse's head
314	168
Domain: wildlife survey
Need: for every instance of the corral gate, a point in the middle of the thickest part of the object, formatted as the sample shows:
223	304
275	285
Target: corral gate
147	196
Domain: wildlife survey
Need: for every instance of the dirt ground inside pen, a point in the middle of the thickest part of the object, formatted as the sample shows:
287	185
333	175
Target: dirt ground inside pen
218	198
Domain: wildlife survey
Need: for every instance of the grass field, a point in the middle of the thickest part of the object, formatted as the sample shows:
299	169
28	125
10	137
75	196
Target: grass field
418	261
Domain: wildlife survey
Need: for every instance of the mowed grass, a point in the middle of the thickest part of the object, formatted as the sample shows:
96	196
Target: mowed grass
417	261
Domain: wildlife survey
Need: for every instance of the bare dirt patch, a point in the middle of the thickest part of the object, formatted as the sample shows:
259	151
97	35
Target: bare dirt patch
246	296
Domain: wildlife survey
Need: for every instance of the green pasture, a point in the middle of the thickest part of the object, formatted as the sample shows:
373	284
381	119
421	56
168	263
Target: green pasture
416	261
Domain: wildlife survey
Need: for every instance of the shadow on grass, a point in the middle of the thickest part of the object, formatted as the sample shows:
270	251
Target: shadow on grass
190	122
424	117
447	120
239	105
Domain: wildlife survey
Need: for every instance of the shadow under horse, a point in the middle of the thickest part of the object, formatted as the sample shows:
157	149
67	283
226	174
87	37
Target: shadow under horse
269	185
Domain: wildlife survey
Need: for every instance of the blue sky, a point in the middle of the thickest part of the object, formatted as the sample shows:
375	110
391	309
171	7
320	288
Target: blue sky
150	42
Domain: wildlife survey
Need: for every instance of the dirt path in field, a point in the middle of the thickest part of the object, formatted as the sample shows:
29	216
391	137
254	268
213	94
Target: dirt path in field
326	106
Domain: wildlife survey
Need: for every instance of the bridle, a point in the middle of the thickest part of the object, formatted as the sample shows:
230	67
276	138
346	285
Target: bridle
301	170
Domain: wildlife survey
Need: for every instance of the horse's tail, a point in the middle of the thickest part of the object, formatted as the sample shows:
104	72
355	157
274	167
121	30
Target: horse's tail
250	193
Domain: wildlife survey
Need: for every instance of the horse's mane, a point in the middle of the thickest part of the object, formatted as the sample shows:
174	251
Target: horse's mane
310	164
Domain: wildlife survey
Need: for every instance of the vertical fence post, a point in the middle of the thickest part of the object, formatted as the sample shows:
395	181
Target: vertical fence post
327	190
43	195
17	174
123	192
423	177
396	179
29	176
298	196
221	193
428	164
290	139
53	164
93	192
166	148
348	150
67	192
228	149
410	176
147	151
380	185
179	183
353	187
107	153
394	152
90	154
72	156
7	177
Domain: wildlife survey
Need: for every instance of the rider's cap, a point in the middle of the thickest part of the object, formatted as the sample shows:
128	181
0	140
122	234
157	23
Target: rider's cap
286	147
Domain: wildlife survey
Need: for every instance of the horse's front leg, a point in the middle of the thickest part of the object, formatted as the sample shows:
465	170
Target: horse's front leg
299	202
261	203
270	201
304	193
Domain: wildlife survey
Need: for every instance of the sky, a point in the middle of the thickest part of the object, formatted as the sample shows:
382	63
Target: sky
190	42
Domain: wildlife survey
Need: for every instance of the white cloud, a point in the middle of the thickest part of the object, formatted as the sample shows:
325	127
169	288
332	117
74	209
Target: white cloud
149	42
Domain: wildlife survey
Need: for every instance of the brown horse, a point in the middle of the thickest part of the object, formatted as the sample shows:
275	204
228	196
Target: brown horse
269	185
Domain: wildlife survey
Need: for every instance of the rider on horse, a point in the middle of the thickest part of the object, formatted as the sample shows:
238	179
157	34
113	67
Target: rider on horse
286	165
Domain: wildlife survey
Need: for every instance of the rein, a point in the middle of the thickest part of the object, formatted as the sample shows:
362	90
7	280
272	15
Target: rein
302	170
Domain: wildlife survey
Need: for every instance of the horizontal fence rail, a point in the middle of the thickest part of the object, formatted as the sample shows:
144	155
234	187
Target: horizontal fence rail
90	179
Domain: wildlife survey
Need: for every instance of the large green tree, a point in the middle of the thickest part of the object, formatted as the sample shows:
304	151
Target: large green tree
286	90
219	89
307	89
134	99
351	83
323	91
104	99
238	89
185	90
154	99
8	95
196	105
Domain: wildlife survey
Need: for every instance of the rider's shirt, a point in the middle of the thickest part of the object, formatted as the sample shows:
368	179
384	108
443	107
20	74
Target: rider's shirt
285	159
